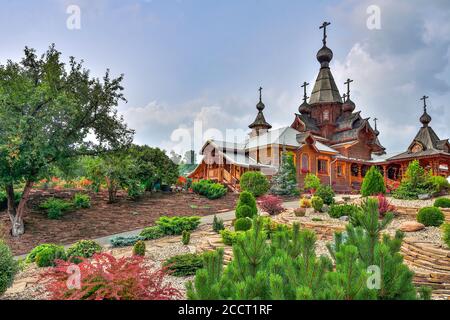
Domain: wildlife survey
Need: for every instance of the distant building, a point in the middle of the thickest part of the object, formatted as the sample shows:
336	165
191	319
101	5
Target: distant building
327	138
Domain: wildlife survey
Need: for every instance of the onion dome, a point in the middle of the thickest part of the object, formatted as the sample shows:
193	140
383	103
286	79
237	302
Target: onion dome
348	106
260	106
260	121
324	56
304	108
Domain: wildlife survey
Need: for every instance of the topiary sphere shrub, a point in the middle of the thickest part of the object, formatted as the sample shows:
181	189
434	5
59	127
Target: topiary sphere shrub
243	224
254	182
8	267
246	206
46	255
373	183
139	248
326	193
430	217
442	203
317	203
83	249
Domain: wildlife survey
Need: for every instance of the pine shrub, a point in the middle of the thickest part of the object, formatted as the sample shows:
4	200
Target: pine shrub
442	203
317	203
337	211
209	189
46	255
81	200
139	248
8	267
118	242
83	249
246	206
243	224
218	224
373	183
431	216
183	265
151	233
186	237
229	237
285	181
254	182
446	234
326	193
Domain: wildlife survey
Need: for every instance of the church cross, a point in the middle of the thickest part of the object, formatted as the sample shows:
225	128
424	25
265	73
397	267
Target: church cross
260	94
305	96
424	98
344	96
375	120
324	27
348	87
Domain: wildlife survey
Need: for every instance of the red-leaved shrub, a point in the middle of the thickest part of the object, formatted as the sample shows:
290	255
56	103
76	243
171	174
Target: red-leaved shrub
106	278
271	204
384	206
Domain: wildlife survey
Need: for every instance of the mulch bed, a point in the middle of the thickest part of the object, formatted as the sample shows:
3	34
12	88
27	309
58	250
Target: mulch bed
104	219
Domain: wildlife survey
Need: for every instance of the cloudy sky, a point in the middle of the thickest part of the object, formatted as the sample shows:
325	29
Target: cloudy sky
202	61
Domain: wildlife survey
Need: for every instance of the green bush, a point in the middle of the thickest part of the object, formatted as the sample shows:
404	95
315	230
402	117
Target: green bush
229	237
45	255
8	267
55	207
442	203
186	237
254	182
209	189
326	193
431	216
176	225
218	224
139	248
83	249
317	203
81	200
246	206
243	224
438	184
184	265
312	182
414	183
337	211
151	233
118	242
446	234
373	183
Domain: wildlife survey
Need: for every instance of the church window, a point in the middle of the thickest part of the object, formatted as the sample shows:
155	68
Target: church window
326	115
417	148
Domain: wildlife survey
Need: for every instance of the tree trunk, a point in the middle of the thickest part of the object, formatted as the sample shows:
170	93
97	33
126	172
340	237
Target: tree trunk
16	213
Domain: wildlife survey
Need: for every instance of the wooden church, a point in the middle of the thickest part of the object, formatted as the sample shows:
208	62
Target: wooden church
327	137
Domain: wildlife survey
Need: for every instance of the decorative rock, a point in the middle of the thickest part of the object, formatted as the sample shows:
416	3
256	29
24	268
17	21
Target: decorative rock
344	218
411	226
424	196
325	208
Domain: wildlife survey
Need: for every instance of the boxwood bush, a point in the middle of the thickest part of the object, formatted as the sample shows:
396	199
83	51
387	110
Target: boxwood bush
254	182
243	224
317	203
326	193
229	237
442	203
45	255
430	216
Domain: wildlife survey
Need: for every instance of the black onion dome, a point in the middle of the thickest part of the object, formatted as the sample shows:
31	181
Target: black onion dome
324	56
348	106
304	108
425	119
377	133
260	106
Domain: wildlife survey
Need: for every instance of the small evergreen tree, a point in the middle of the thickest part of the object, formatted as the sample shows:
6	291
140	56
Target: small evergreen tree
254	182
373	183
246	206
285	181
414	183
